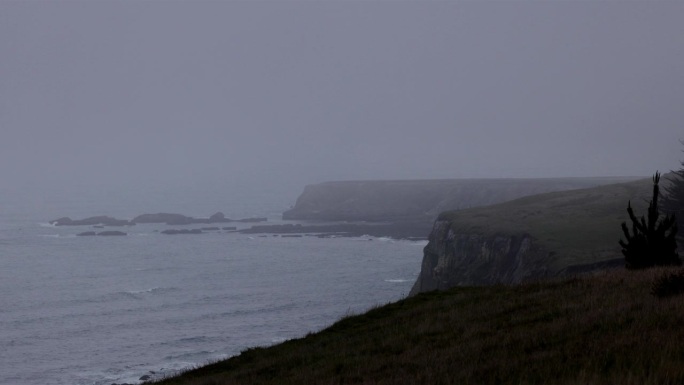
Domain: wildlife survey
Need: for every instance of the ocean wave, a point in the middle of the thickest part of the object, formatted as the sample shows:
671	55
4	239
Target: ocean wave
385	239
397	280
47	224
200	356
154	290
194	339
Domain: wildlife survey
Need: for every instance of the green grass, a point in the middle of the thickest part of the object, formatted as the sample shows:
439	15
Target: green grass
605	329
578	226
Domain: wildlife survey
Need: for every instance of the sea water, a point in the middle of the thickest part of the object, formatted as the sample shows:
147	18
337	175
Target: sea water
102	310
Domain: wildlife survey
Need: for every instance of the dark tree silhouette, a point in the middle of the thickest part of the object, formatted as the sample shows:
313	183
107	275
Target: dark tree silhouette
652	242
673	198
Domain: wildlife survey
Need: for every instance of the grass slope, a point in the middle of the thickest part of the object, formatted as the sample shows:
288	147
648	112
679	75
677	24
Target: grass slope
578	226
605	329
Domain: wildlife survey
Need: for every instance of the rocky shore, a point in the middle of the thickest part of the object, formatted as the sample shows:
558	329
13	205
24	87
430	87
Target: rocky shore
165	218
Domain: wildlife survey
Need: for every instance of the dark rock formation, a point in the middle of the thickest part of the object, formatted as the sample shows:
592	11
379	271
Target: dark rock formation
231	228
101	233
169	219
111	233
178	219
183	231
250	220
91	221
455	259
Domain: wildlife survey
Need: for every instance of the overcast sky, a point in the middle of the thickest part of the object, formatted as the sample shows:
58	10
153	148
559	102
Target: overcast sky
144	92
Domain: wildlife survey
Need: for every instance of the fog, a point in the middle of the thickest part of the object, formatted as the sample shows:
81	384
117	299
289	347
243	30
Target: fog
137	94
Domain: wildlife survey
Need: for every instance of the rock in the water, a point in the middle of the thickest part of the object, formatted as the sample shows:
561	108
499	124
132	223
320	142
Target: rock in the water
99	220
218	217
229	228
145	378
210	229
86	234
171	219
183	231
111	233
251	220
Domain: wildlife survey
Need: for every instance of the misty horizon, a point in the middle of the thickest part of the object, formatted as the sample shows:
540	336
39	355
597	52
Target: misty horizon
123	95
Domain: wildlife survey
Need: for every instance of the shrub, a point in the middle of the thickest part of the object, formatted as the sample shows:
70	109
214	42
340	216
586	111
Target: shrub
668	284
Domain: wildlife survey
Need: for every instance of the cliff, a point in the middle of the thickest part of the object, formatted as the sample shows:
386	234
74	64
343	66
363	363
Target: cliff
546	235
419	200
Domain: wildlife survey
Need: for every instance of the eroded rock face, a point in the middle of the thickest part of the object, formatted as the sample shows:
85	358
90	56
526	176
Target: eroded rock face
456	259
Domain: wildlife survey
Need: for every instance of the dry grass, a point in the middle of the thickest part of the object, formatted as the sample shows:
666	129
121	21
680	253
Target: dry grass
606	329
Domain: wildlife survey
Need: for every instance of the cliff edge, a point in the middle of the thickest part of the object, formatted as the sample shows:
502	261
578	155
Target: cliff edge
419	200
546	235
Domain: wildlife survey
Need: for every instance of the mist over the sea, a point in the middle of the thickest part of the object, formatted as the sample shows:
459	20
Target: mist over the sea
128	96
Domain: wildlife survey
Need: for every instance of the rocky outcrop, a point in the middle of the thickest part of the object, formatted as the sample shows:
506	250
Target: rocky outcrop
91	221
457	259
419	199
182	231
178	219
101	233
111	233
169	219
546	235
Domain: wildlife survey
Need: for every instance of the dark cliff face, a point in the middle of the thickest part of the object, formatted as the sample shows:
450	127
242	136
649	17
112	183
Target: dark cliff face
454	259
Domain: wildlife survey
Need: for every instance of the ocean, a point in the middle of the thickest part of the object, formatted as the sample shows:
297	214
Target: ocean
102	310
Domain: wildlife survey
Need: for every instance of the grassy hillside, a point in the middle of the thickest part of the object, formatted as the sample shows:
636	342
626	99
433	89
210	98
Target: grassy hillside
605	329
578	226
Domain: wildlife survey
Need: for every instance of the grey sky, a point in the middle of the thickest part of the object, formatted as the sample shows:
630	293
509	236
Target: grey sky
150	92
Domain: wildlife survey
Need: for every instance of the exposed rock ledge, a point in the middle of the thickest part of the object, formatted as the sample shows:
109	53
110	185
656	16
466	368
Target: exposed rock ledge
546	235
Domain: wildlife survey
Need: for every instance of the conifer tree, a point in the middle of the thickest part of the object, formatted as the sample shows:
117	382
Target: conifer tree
652	242
673	199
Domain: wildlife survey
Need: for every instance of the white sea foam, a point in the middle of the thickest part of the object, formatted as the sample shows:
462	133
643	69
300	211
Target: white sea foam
398	280
385	239
154	290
